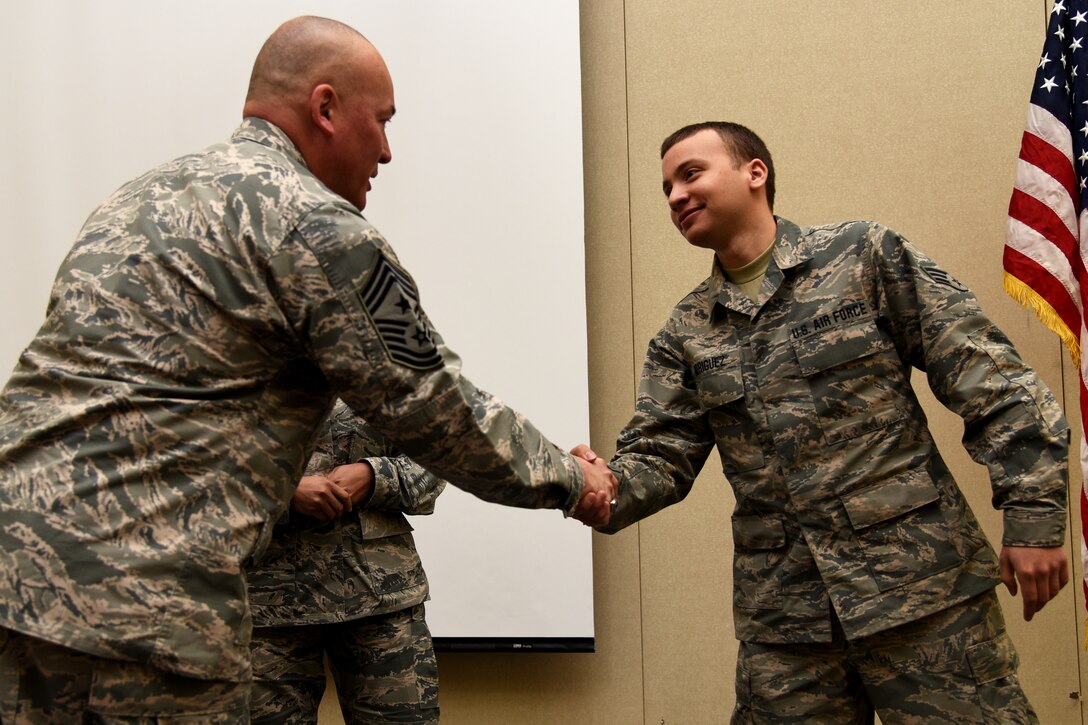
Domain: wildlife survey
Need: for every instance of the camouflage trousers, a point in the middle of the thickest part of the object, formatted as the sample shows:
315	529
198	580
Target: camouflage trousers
384	668
45	684
956	666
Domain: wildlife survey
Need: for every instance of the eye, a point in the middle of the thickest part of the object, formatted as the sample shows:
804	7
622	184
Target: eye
691	173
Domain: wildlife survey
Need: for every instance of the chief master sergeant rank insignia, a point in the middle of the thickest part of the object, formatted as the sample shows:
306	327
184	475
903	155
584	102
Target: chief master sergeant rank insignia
390	298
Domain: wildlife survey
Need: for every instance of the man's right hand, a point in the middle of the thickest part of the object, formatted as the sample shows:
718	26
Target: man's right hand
319	497
599	491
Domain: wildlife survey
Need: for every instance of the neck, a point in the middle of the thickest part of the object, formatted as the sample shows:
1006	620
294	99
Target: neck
748	243
288	120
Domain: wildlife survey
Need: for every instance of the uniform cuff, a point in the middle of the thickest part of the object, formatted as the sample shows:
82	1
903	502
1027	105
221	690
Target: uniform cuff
1039	530
383	487
577	483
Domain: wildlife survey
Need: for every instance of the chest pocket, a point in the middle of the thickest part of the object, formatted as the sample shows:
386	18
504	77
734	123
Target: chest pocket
721	396
855	377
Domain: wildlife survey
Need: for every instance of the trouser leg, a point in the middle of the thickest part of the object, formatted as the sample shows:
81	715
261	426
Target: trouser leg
288	675
956	666
802	684
41	682
385	669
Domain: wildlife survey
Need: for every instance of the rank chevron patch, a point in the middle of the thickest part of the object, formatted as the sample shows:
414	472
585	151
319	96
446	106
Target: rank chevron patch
390	298
941	277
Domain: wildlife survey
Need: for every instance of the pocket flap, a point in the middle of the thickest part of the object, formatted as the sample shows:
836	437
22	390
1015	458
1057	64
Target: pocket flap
818	352
380	524
759	532
718	381
992	660
889	499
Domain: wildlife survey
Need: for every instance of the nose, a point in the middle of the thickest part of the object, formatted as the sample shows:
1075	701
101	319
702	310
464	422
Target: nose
387	154
677	197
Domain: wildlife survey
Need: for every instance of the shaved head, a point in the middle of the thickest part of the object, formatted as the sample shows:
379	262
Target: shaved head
325	86
300	54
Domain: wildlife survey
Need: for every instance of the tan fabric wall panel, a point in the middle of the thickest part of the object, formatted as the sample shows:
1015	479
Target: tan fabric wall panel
906	113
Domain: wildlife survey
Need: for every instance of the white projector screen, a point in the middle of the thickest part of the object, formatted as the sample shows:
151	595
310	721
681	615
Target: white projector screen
482	201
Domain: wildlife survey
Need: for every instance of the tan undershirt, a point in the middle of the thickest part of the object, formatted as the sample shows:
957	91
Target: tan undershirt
750	276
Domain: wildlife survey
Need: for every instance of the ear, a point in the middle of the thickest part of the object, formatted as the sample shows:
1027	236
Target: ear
324	106
757	173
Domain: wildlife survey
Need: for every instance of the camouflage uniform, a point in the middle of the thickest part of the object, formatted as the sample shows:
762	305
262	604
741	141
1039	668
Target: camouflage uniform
845	510
352	587
156	426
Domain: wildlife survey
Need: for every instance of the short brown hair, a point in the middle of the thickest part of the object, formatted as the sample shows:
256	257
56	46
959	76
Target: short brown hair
741	141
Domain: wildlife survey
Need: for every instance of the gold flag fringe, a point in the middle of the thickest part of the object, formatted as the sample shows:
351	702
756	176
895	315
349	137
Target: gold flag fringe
1031	299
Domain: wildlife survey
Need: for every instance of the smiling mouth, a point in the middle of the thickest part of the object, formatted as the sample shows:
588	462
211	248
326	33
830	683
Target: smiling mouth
682	219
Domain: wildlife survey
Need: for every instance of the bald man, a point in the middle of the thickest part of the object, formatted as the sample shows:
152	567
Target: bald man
196	336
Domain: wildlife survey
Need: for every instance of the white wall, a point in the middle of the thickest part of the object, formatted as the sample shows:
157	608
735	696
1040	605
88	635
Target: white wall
483	203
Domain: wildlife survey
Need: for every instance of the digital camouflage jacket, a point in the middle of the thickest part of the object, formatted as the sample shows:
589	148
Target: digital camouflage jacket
156	426
842	499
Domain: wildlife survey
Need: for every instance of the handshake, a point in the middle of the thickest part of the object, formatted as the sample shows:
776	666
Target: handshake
599	492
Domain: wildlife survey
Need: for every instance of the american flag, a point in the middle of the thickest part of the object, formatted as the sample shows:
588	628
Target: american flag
1047	240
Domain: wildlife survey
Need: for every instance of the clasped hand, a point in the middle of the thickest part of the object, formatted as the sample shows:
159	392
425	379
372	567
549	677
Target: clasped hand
328	497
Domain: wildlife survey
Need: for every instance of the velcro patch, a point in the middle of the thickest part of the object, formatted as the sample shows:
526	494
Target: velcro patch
941	277
390	298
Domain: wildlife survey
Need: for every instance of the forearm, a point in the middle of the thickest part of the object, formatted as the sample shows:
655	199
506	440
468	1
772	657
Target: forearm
402	485
478	444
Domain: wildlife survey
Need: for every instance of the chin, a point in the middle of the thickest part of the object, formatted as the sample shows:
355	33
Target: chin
696	240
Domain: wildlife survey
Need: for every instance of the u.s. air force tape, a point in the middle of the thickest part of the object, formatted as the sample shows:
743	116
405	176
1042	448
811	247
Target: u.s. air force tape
390	298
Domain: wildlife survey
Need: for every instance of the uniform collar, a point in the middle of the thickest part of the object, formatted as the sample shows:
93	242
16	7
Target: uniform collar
789	251
267	134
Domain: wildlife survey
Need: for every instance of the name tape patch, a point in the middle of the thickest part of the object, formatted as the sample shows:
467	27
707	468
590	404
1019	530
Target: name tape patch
849	312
